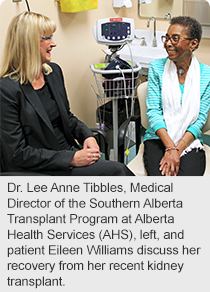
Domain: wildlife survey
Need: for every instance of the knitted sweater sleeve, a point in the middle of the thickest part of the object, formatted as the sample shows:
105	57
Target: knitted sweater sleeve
154	95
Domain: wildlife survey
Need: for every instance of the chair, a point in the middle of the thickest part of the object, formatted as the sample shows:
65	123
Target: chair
100	136
137	164
122	135
102	140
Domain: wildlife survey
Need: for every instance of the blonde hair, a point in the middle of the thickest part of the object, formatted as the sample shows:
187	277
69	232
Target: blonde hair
22	58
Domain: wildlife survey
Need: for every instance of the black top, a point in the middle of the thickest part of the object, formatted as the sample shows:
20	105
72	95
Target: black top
52	110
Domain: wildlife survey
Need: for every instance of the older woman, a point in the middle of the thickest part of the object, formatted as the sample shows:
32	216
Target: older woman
38	131
178	102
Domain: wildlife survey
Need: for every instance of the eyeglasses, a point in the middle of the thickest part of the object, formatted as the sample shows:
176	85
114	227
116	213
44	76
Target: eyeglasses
49	39
175	38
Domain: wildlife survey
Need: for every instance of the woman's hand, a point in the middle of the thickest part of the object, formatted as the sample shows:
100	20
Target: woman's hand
88	155
90	143
169	164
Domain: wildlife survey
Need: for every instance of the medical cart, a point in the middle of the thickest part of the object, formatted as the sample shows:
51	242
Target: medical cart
114	85
115	79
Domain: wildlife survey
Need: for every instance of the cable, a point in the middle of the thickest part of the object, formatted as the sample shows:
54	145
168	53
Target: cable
27	5
126	97
132	98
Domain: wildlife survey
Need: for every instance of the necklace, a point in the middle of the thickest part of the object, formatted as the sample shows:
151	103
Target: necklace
180	72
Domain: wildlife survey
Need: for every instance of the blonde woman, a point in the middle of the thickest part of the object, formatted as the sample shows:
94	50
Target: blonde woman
38	130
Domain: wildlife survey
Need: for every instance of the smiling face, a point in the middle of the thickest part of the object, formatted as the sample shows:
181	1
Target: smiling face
46	47
182	51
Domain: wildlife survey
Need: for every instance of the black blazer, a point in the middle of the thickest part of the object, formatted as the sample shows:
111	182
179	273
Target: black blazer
28	140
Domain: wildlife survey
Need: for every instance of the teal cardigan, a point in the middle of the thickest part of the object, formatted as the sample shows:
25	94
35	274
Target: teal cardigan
154	100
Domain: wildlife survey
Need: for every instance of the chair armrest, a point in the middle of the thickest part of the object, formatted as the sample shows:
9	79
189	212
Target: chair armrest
102	140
